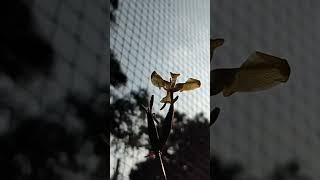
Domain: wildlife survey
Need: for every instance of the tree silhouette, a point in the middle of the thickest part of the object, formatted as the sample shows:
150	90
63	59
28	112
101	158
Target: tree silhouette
54	143
126	112
114	6
223	171
127	118
186	155
24	53
289	170
25	151
117	77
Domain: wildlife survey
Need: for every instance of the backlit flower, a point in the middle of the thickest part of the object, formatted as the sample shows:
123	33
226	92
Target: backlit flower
171	86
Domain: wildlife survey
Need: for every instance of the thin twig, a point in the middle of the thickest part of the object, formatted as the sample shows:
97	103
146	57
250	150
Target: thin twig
162	166
160	158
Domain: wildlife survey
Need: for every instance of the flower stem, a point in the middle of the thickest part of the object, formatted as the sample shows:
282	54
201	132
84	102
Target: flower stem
162	166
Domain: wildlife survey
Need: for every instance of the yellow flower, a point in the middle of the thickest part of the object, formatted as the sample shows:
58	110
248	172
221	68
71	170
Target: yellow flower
171	86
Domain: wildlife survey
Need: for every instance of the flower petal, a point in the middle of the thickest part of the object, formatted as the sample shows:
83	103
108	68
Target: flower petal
190	84
174	77
157	80
166	99
177	87
214	43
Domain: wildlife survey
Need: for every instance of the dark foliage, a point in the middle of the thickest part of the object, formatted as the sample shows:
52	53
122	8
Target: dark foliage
187	155
222	171
114	6
25	151
117	77
43	146
289	170
23	52
122	111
